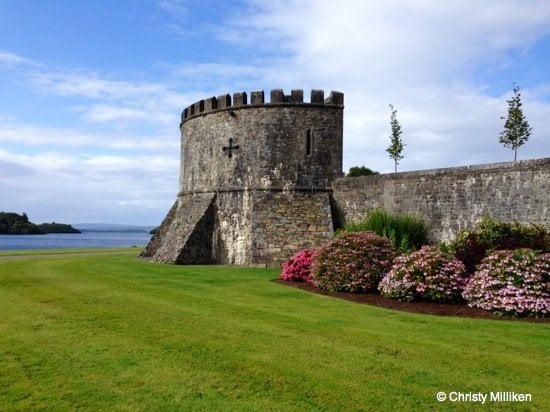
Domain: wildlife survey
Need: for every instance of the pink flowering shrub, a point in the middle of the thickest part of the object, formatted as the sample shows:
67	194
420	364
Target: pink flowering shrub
513	282
298	267
352	262
427	274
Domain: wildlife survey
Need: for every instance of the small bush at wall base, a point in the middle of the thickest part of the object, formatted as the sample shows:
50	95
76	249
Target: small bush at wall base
298	267
427	274
490	234
512	282
406	232
352	262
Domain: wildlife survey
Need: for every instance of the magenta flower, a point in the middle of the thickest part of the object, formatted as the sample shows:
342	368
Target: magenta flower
298	267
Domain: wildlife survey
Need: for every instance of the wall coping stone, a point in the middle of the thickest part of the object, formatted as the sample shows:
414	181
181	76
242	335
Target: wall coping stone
457	170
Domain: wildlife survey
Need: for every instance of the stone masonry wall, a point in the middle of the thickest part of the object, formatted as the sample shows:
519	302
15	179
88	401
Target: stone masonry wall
255	178
185	235
232	235
273	146
455	198
285	222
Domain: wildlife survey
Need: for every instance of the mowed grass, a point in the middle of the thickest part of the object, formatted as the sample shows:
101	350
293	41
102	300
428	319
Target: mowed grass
108	331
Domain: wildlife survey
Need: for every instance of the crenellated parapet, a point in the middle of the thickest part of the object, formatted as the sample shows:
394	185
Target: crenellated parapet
277	98
255	178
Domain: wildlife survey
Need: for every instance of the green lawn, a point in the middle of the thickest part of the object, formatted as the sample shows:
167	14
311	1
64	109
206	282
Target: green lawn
107	331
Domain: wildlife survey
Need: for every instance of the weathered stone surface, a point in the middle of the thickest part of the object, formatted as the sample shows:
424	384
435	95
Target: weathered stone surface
273	148
161	233
185	235
455	198
232	234
286	222
261	180
254	179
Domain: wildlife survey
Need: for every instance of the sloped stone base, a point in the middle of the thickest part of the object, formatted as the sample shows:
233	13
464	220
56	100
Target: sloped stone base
185	235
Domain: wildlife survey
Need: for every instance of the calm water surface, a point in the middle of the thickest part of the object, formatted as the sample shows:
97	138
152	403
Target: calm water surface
72	241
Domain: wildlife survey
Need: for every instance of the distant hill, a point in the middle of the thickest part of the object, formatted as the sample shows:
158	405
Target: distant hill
15	224
111	227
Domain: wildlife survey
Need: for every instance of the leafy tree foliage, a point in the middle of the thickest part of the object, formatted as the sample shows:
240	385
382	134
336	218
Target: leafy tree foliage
396	144
516	128
14	224
360	171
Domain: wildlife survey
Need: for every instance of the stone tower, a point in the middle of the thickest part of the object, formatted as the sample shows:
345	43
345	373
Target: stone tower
255	179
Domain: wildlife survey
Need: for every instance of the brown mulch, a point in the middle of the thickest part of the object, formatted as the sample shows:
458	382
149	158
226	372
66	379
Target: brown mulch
430	308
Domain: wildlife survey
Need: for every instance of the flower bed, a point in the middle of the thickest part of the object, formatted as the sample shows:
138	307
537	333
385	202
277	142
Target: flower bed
427	274
513	282
353	262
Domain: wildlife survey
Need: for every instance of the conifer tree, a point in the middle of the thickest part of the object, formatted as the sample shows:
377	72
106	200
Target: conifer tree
516	128
396	144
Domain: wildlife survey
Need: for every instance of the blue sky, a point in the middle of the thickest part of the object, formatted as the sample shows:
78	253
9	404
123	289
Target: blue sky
92	91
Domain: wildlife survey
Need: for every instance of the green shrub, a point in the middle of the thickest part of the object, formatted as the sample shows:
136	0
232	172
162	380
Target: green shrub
406	232
490	234
427	274
514	282
360	171
352	262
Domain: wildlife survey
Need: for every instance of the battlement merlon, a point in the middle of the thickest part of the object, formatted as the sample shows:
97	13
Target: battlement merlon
257	98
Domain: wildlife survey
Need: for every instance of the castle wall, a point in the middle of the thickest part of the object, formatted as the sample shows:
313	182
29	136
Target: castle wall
261	180
185	235
255	178
286	222
455	198
281	146
232	234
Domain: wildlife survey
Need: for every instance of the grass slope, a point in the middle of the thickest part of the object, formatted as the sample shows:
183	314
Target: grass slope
112	332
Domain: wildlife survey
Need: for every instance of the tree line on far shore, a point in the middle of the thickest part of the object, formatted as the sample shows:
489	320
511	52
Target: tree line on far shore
15	224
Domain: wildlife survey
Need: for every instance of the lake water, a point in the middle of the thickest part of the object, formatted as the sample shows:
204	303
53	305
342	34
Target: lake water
74	241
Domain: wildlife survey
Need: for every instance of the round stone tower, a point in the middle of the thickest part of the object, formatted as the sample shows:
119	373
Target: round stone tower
255	179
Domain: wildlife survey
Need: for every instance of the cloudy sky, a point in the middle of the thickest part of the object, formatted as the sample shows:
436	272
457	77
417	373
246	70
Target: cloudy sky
92	91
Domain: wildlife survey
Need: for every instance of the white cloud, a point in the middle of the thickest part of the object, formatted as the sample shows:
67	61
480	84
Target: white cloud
28	135
11	59
35	135
424	57
437	62
91	85
55	185
176	8
109	113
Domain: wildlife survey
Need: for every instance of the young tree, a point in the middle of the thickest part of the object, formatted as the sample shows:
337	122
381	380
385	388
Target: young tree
396	144
516	129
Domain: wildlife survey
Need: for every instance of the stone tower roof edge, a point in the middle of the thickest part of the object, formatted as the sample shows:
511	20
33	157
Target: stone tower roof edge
257	98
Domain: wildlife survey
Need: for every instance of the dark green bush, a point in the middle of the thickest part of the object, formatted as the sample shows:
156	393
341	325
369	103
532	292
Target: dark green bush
405	231
352	262
360	171
490	235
